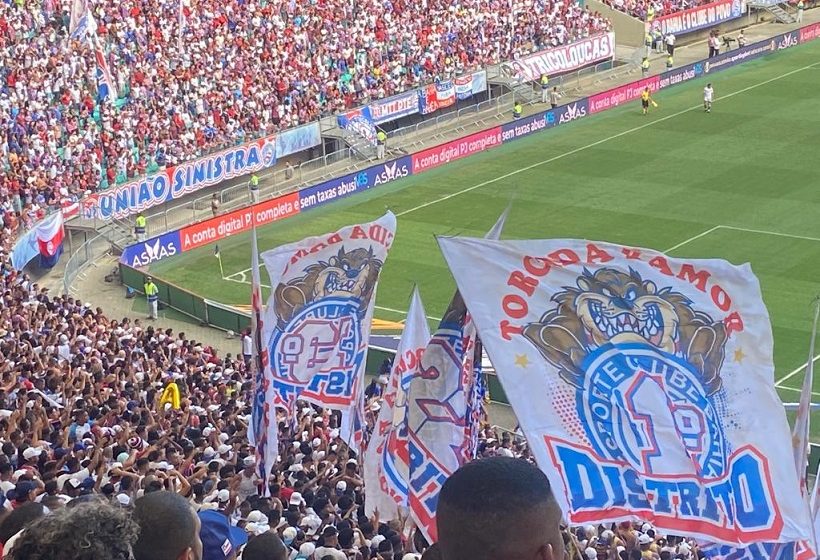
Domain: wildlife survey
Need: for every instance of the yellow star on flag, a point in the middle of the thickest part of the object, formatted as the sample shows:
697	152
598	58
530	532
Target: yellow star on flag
739	355
521	360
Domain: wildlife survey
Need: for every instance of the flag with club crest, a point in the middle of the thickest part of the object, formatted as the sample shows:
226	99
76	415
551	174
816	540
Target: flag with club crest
80	19
106	87
263	432
643	383
387	460
441	430
318	317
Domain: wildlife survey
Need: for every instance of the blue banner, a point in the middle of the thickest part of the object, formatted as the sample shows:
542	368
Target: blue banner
156	248
298	139
682	74
352	183
359	121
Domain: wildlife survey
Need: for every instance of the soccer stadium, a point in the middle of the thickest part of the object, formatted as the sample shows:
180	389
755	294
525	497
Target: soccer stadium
461	280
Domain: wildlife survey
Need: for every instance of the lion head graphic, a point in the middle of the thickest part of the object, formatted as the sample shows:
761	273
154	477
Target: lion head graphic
613	307
347	274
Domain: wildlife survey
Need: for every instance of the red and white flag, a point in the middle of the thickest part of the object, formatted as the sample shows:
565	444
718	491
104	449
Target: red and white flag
387	460
49	235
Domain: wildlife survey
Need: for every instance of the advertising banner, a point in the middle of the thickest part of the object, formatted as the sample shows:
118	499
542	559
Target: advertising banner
180	180
352	183
238	221
395	107
738	56
155	249
562	59
680	75
699	17
298	139
810	33
621	94
787	40
457	149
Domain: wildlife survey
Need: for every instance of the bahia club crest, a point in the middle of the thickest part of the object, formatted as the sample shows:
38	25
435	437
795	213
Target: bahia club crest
320	312
644	384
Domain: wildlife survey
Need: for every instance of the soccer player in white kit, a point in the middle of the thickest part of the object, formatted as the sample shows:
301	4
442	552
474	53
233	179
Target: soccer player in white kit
708	93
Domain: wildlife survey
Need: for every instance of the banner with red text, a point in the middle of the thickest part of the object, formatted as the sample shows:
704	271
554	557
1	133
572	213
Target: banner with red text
699	17
644	383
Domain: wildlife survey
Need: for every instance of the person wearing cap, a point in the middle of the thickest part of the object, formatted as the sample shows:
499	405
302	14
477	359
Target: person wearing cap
169	528
330	545
220	540
152	294
248	480
306	552
25	491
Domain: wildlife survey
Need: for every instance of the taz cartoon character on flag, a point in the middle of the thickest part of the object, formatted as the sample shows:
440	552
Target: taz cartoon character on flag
644	384
387	461
317	322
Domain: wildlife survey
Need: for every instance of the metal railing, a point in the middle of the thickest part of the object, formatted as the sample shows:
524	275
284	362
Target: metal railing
85	254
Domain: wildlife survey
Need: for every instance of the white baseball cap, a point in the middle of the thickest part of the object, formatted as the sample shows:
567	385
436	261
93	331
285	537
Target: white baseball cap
296	499
31	453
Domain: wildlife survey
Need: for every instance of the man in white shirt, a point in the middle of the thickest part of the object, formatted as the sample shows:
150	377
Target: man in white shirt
670	43
247	347
708	94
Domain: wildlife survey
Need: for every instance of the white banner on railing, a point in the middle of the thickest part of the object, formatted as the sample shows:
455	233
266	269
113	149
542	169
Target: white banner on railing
562	59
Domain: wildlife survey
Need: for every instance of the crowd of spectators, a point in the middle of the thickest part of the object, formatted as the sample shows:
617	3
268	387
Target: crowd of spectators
81	422
647	10
216	73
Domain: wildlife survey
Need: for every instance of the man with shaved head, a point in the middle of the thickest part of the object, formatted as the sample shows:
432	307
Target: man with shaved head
498	508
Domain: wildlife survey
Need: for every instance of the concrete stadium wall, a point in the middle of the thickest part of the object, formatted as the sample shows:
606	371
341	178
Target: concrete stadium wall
628	30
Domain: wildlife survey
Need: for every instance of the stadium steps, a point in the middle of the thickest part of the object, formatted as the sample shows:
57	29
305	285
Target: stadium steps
779	12
360	146
525	92
118	233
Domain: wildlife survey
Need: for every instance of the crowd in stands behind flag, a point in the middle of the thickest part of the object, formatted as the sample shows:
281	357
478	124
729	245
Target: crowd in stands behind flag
136	438
188	77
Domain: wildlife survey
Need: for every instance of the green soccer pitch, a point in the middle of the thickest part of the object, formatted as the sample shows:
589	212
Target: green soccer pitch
741	183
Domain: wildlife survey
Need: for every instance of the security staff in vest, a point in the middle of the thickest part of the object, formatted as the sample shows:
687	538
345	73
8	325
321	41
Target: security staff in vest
139	227
800	6
545	88
253	187
517	110
650	13
645	66
381	140
152	293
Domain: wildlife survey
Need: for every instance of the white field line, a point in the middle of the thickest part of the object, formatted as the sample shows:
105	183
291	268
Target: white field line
240	278
775	233
698	236
816	394
597	143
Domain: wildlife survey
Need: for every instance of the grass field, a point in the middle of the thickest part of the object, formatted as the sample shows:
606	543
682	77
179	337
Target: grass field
740	183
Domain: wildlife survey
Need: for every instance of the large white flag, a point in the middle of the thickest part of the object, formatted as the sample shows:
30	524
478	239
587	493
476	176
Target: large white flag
317	321
644	384
387	460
